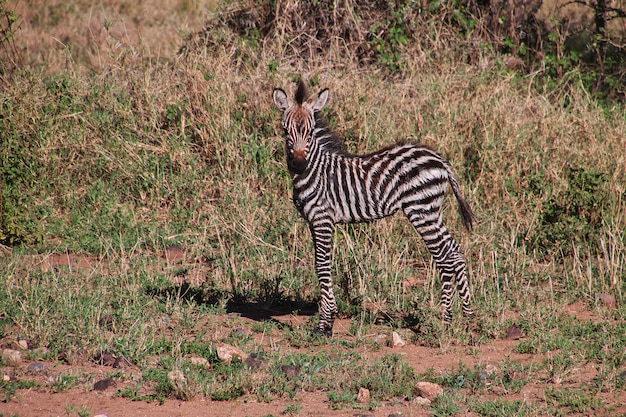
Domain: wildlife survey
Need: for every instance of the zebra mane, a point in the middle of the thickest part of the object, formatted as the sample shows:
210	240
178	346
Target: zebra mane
301	93
329	141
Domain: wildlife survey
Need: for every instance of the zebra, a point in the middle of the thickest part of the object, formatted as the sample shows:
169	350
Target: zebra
332	185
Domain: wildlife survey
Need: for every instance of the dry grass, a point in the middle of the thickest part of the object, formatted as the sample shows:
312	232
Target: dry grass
133	148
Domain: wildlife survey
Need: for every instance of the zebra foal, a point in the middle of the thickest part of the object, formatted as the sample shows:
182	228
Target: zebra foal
331	185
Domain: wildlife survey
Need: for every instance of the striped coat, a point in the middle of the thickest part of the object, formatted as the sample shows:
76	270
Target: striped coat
331	185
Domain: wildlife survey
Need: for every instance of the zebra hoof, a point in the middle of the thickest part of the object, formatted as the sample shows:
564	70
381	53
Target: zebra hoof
324	331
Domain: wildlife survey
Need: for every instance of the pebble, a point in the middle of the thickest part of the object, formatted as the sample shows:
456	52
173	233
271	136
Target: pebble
174	253
363	396
607	300
397	340
104	384
254	361
291	371
421	401
36	367
194	360
428	390
105	359
514	332
122	362
226	353
11	357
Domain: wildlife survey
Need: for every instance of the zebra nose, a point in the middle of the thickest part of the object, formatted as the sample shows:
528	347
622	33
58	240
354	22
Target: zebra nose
298	154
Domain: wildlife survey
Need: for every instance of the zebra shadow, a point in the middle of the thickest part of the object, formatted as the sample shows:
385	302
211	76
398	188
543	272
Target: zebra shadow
270	307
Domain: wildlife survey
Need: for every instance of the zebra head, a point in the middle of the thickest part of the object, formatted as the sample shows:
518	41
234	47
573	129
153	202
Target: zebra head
299	123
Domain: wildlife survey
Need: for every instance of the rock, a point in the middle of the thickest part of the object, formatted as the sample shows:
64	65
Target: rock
72	357
428	390
237	333
363	396
105	359
100	415
397	340
226	353
512	62
8	374
291	371
104	384
194	360
122	362
254	361
380	339
12	357
22	344
421	401
607	300
174	253
36	367
514	332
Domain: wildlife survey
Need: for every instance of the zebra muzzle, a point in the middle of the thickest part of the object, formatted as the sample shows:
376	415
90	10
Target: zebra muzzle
298	162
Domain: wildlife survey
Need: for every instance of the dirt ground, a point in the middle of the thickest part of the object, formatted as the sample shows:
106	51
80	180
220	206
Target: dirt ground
41	402
83	399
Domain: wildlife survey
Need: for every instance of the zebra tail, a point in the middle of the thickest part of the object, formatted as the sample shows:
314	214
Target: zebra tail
467	217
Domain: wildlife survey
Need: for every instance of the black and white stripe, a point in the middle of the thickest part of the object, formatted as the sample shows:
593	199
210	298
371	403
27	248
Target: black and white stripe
331	185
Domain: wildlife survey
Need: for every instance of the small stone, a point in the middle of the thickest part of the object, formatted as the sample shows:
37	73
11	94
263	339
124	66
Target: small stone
226	353
514	332
8	374
421	401
72	357
174	253
100	415
104	384
105	359
380	339
396	415
363	396
397	340
607	300
36	367
203	362
512	62
22	344
122	362
12	357
428	390
254	361
291	371
237	333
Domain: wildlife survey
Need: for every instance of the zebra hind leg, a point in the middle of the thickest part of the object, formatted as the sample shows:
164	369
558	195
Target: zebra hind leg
449	260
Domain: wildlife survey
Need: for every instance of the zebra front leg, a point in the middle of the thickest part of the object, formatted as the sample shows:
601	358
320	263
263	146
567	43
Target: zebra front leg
322	236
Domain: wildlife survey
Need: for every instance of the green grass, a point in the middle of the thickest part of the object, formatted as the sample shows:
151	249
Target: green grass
115	163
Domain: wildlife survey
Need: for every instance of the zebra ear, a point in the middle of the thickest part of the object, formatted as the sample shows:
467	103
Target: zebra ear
320	100
280	99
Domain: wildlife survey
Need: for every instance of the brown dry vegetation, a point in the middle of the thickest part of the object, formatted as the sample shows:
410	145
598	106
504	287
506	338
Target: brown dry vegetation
131	128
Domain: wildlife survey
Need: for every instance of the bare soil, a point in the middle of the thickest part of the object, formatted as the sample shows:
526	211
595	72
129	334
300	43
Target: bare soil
44	401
